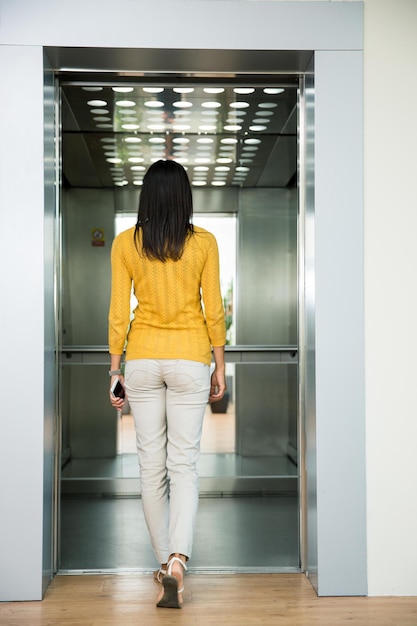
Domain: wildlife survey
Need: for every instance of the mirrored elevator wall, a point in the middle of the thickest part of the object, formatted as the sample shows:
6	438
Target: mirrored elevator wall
89	426
265	393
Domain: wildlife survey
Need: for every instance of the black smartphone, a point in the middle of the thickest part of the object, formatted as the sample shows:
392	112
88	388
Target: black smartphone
117	389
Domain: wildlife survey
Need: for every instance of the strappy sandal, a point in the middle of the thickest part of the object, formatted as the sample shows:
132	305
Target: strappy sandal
170	599
159	574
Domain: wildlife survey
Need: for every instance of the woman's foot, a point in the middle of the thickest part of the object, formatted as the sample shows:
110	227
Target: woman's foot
172	583
160	573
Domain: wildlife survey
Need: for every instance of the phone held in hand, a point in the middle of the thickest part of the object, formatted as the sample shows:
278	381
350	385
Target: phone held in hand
117	389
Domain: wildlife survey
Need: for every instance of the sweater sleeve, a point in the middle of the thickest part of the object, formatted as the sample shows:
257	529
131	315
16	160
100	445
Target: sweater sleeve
212	298
119	312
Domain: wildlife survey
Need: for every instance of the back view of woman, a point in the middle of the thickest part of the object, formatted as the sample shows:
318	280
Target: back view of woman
177	325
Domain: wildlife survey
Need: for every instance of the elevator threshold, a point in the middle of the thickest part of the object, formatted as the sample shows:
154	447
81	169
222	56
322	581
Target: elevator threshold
213	486
143	571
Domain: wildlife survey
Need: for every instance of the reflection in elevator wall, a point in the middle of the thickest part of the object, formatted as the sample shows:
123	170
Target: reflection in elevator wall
262	397
266	395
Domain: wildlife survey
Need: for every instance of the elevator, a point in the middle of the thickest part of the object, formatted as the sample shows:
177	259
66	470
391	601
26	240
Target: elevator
239	139
324	41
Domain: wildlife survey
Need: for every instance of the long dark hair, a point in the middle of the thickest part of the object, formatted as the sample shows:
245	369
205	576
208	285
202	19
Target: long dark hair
165	211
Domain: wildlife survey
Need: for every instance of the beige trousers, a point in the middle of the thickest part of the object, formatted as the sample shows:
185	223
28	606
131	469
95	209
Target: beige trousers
168	399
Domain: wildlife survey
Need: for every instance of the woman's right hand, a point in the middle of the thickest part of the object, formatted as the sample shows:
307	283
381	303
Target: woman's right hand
115	401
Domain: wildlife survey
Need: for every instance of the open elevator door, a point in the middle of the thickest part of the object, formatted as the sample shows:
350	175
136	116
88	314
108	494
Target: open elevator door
238	140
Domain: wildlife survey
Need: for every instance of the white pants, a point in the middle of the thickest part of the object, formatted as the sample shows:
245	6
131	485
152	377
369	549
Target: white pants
168	399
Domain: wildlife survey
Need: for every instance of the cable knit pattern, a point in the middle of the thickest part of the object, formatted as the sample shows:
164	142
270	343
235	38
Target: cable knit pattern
168	322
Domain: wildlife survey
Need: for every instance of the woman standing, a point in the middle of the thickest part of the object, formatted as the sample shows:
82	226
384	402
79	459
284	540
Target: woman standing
177	324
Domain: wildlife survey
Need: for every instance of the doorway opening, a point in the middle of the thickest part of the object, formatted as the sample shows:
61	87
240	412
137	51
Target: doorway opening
239	140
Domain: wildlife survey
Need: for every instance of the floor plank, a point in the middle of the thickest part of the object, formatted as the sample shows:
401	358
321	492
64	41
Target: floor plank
209	600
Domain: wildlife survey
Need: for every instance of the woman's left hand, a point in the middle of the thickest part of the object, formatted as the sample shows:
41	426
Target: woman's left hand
217	386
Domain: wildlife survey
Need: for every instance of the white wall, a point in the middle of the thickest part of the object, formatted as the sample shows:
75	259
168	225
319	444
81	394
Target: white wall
391	294
21	322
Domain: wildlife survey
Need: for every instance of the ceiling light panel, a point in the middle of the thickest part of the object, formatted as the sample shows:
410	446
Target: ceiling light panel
230	130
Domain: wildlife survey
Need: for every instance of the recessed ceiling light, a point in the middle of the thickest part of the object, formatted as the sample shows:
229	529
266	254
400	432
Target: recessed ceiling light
153	89
137	168
218	183
133	139
222	168
154	104
201	168
244	90
228	140
123	89
135	160
273	90
267	105
97	103
213	89
251	141
114	160
125	103
182	104
108	140
205	140
232	127
181	127
183	89
199	183
99	111
104	125
92	88
242	169
138	182
156	140
224	160
250	148
239	105
257	128
130	126
102	119
181	140
207	127
202	160
211	105
261	120
129	119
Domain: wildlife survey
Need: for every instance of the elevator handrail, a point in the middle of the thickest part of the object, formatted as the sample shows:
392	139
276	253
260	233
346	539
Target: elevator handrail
98	355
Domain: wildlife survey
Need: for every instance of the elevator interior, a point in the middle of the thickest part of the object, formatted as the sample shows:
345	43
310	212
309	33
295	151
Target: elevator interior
238	139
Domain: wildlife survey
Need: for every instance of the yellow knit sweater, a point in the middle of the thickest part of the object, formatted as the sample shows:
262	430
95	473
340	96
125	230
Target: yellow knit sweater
169	321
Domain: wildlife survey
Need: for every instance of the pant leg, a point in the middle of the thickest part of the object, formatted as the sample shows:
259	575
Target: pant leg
146	392
188	384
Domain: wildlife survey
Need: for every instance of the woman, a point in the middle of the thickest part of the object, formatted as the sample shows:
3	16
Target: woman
177	324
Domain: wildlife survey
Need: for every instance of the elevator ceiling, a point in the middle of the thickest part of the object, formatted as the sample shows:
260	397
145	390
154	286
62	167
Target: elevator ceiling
226	133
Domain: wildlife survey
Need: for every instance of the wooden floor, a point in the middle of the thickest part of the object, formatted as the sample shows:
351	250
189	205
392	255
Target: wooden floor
232	600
